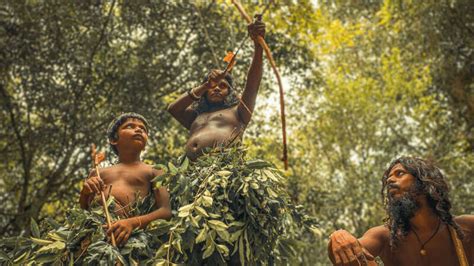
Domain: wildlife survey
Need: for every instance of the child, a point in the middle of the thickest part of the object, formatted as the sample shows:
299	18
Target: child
129	180
133	203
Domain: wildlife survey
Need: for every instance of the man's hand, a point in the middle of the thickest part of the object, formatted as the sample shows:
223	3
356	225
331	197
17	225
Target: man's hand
347	250
122	230
214	77
256	28
93	185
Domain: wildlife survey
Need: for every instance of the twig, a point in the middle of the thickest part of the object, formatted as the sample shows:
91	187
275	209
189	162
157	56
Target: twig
96	161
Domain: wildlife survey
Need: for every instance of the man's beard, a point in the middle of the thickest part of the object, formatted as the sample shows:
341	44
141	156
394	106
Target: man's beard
400	211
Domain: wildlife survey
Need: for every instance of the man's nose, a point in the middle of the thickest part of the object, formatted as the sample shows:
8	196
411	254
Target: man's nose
390	180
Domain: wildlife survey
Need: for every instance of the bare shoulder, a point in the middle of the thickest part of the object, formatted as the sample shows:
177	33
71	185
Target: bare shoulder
103	171
375	239
108	169
147	171
465	221
380	232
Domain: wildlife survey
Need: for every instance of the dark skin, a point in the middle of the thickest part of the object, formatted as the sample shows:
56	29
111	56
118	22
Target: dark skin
215	128
345	249
127	178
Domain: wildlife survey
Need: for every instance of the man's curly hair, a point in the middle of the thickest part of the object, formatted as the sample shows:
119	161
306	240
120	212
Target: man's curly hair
112	130
203	106
431	182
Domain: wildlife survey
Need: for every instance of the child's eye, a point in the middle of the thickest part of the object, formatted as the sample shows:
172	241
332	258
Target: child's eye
400	173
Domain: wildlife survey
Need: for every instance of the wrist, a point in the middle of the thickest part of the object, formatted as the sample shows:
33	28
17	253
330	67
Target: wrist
137	222
193	95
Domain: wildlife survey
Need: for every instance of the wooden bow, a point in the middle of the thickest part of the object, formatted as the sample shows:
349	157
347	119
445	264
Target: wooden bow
265	47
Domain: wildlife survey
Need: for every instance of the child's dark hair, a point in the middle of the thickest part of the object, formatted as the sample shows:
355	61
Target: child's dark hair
112	131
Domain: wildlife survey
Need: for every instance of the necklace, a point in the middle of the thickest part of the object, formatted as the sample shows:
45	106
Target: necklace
422	249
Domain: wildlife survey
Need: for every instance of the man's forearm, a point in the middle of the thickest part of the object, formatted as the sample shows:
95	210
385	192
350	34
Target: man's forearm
143	220
185	100
254	75
180	104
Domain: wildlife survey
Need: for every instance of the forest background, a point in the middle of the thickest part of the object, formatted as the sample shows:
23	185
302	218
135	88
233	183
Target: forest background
365	81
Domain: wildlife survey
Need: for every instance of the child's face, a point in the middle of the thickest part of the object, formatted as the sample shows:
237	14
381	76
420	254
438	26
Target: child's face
132	134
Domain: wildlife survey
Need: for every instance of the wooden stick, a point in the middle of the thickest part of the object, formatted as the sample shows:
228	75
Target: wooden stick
106	210
265	47
102	196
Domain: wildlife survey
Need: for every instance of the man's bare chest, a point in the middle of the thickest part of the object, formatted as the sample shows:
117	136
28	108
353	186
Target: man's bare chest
220	118
438	251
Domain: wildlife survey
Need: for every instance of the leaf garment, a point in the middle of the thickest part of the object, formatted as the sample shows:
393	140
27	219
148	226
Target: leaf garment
229	210
81	240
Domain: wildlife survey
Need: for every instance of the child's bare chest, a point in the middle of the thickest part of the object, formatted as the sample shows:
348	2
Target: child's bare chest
127	182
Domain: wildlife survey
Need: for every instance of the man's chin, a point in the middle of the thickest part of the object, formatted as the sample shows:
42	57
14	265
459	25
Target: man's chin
216	102
395	195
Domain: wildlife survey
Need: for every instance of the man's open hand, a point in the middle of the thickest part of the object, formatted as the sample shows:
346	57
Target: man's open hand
347	250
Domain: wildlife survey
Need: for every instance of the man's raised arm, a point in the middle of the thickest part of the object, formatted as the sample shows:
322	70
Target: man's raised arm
254	75
181	108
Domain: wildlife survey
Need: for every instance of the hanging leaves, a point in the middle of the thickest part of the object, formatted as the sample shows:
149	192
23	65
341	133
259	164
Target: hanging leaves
226	206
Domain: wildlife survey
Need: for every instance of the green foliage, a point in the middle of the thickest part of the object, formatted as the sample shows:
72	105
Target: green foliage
82	240
367	82
389	82
67	69
229	209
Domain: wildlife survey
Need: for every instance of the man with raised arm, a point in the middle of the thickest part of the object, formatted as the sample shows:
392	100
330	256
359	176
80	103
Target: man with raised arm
419	229
222	199
218	117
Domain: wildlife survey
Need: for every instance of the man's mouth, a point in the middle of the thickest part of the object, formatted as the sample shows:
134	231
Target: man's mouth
392	189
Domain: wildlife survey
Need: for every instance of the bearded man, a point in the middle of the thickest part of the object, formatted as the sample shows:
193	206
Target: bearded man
419	229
